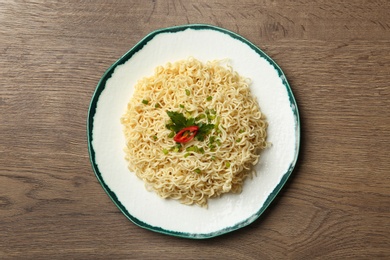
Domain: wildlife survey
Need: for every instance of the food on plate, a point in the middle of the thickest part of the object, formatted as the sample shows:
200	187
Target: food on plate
193	131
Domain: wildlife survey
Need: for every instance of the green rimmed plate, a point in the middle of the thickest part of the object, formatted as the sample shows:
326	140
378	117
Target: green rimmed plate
106	140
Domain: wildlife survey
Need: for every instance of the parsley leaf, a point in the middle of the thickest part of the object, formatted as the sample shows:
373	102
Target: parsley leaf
190	122
204	129
178	121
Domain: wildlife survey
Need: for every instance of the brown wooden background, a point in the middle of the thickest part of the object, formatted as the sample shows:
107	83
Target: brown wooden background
336	55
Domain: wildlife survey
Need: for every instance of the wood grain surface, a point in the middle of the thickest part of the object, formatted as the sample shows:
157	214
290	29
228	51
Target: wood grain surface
336	55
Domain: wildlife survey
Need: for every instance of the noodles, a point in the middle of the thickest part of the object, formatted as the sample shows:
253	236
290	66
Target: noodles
231	131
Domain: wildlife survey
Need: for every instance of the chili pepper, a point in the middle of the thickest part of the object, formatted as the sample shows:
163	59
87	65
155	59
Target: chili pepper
186	134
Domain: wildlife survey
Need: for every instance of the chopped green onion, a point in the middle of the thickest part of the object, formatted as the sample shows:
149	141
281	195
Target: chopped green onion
197	170
145	102
186	155
188	92
210	113
211	117
157	105
212	139
201	116
209	98
241	131
227	164
192	149
165	151
217	123
154	137
213	157
218	142
238	140
195	149
182	106
171	134
176	148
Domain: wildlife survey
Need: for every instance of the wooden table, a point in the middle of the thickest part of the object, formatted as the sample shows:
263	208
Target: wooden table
336	55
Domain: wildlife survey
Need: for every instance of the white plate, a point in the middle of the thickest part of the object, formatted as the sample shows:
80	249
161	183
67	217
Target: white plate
106	140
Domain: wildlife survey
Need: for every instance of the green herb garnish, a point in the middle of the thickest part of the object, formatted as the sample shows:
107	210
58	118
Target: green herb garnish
218	119
145	102
179	121
204	129
193	148
201	116
176	148
211	146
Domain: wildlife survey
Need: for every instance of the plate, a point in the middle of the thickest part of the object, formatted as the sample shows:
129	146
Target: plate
106	140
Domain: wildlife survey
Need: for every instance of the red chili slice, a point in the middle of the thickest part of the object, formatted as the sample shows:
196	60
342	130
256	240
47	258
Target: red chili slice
186	134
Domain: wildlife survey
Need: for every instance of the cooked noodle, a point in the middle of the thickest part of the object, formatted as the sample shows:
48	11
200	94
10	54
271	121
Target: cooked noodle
221	163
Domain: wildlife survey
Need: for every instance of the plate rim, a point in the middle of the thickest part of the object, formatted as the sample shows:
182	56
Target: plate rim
127	56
